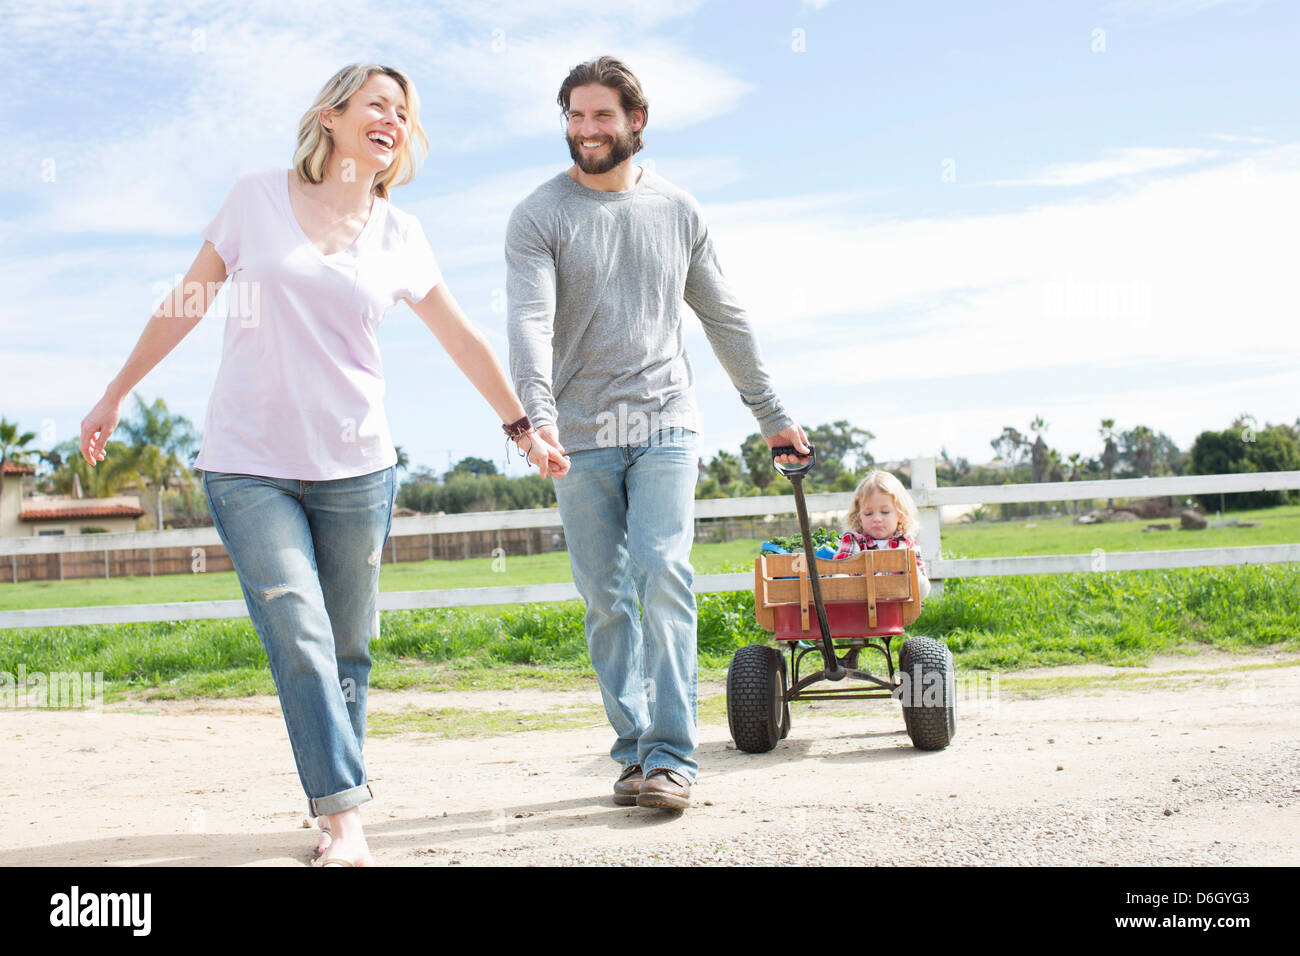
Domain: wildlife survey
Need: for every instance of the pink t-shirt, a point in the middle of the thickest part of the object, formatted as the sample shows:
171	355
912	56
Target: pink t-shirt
300	390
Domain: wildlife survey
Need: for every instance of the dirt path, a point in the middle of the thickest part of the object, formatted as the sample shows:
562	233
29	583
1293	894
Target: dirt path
1169	768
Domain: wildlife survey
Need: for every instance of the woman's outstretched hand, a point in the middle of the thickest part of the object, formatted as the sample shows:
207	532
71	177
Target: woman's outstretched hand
546	452
97	427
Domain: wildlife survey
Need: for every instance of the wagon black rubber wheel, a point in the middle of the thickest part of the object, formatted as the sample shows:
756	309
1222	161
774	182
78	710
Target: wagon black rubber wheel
785	709
928	692
756	709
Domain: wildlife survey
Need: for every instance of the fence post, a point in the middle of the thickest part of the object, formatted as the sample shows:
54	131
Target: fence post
924	476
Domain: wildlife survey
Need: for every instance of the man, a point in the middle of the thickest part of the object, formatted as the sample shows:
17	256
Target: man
599	259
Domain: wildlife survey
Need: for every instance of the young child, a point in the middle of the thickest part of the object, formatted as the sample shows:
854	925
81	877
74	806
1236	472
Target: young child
883	516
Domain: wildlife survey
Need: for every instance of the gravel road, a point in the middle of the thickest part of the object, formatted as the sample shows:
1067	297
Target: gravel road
1191	761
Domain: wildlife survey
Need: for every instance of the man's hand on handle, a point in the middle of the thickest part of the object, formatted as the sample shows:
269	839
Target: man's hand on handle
794	435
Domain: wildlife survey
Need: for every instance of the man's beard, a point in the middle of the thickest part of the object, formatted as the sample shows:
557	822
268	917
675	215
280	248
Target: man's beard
620	148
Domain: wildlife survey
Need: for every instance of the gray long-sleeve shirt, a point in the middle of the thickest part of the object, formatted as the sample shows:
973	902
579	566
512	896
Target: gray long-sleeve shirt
595	283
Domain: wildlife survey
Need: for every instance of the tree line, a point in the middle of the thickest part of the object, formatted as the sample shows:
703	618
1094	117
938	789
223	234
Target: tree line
156	451
1141	451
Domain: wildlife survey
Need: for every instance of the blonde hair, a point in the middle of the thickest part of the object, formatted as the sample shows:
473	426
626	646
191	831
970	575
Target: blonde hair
315	145
909	519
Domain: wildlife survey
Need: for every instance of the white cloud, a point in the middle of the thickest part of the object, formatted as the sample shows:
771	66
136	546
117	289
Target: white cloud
1160	9
1191	270
1116	164
1234	138
1184	253
521	14
699	174
520	81
228	97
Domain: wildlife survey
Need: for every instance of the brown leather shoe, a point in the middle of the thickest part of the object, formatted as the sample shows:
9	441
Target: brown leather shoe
666	789
628	785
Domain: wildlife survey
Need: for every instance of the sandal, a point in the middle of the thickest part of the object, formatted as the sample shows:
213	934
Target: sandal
323	827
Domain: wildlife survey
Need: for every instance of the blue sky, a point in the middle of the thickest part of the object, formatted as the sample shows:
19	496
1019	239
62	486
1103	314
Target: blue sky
944	217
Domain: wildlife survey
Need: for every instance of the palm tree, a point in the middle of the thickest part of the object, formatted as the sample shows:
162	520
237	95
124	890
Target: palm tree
1038	454
1075	474
1144	440
11	447
1053	465
1110	455
725	469
12	443
104	480
757	457
53	460
159	442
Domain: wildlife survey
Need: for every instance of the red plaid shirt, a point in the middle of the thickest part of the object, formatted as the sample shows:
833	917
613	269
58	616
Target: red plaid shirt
853	542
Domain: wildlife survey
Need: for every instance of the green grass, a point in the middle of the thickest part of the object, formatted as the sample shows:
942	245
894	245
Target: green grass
1000	624
405	576
459	648
998	539
996	623
979	539
1120	618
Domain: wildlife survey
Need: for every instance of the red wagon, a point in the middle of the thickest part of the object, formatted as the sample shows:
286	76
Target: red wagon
846	607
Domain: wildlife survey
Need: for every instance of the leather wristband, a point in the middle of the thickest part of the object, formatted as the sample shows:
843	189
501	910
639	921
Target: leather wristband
517	430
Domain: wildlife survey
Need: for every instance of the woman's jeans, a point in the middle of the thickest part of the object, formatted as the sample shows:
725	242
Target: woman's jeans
629	522
307	554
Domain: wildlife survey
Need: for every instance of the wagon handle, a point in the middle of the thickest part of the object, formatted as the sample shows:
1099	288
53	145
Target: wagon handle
791	470
796	473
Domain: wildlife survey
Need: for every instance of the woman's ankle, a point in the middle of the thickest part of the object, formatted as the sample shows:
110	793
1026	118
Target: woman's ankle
346	826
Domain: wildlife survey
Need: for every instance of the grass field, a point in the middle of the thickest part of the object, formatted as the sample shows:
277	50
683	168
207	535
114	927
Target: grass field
994	623
998	539
981	539
412	576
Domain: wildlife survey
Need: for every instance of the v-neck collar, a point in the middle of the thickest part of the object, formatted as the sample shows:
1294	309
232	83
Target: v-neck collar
375	200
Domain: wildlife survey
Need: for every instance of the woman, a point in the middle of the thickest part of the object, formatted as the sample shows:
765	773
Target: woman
297	462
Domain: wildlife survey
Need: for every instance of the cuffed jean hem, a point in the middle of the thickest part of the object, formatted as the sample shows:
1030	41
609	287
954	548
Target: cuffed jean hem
339	802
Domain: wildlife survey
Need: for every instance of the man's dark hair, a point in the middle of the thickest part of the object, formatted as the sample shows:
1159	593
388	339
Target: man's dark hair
607	71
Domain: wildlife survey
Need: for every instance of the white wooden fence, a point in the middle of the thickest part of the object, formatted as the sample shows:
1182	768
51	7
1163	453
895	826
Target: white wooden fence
925	492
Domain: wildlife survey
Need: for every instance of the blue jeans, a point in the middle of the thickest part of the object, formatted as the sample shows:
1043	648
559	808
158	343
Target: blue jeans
629	522
307	554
